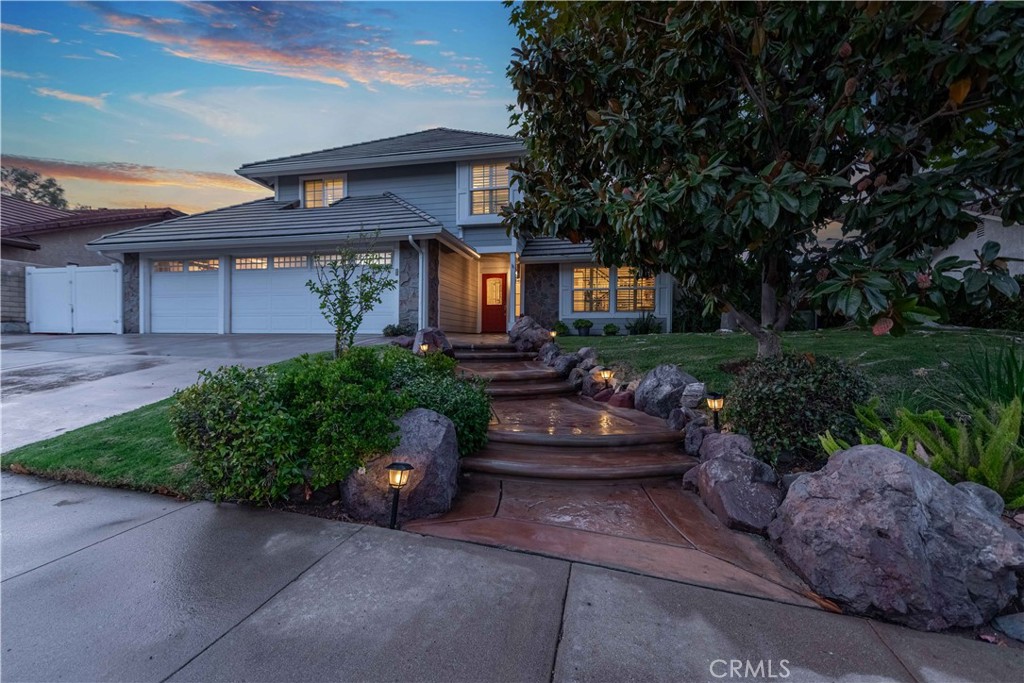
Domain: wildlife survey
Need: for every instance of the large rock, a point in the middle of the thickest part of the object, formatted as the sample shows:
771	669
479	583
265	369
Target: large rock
984	496
743	492
565	363
622	399
549	352
660	390
576	377
436	339
527	335
716	445
428	442
680	417
885	537
693	436
693	395
592	384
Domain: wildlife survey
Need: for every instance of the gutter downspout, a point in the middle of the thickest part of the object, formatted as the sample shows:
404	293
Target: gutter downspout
112	258
421	305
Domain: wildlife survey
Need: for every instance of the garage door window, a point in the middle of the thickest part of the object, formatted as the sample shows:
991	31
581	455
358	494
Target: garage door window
281	262
251	263
203	265
168	266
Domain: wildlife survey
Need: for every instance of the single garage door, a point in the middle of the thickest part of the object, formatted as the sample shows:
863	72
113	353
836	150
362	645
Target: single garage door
269	294
184	295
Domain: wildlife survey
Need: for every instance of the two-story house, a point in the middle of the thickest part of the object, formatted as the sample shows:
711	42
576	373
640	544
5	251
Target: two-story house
427	203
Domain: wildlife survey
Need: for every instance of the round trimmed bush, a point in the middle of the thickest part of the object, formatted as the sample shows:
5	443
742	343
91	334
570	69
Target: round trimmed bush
785	403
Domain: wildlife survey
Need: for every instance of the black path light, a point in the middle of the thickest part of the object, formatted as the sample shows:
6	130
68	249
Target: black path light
398	476
716	402
424	348
553	334
606	376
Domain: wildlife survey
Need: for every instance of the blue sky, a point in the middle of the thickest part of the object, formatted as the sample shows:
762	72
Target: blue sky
156	103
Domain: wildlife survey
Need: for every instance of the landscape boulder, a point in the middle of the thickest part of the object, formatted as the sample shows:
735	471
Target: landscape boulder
565	363
592	384
576	377
690	479
549	352
661	389
743	492
693	395
428	442
694	435
886	537
622	399
984	496
716	445
527	335
680	417
604	395
436	339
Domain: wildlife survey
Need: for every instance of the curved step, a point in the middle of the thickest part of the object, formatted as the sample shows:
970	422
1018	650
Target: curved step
582	441
529	389
554	464
495	355
521	371
482	346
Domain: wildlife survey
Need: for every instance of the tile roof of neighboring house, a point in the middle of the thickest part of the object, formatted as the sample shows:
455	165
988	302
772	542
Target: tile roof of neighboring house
15	211
91	218
552	249
19	242
266	222
436	144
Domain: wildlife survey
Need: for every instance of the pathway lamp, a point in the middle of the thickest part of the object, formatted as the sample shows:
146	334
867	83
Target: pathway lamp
398	476
606	376
424	348
553	334
716	402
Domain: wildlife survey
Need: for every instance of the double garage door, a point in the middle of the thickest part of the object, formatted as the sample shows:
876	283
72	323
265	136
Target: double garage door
265	294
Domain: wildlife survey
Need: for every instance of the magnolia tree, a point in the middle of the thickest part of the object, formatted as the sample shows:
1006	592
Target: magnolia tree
708	140
349	283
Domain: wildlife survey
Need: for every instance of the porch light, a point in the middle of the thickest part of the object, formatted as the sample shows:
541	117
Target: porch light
606	376
398	476
716	402
424	348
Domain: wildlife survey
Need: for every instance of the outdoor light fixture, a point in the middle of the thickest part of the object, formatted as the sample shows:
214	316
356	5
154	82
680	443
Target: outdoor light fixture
424	348
398	476
553	334
716	402
606	376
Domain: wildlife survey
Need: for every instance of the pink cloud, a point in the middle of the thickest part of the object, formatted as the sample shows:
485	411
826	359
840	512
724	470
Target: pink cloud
14	28
94	102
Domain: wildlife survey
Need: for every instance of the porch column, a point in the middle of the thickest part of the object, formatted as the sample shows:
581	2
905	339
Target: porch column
511	290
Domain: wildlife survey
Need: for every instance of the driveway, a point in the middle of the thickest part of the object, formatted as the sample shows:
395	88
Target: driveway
55	383
101	584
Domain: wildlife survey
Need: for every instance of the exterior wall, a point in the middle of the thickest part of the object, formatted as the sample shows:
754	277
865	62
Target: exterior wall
130	293
459	293
428	187
1010	239
408	285
12	296
488	238
60	247
433	283
540	292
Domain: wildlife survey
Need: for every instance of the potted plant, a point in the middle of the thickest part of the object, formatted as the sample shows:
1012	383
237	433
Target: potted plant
583	326
611	329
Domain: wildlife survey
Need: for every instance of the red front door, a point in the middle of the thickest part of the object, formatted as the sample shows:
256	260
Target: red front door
495	309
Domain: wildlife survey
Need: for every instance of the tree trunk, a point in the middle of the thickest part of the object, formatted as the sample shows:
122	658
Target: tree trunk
337	344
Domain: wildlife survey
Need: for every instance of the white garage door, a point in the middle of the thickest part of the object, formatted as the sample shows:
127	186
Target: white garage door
184	295
269	294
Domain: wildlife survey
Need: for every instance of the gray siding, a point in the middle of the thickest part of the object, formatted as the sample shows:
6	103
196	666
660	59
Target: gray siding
459	293
428	187
487	237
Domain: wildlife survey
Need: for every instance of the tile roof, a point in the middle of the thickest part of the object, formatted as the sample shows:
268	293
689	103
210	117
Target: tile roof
436	144
541	249
15	211
269	222
91	218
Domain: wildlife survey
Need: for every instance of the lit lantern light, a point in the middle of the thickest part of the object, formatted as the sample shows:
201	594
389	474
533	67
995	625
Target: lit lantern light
424	348
553	334
606	376
398	476
716	402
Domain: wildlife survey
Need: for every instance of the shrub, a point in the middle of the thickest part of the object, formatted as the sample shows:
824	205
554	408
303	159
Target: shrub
645	324
987	376
582	324
402	330
561	328
611	329
786	403
1003	313
464	402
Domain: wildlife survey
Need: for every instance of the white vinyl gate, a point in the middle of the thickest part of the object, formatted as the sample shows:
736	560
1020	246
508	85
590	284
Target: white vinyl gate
74	299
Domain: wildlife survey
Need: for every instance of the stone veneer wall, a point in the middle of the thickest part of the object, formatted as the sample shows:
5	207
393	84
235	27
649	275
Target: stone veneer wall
540	292
12	296
408	285
130	293
433	283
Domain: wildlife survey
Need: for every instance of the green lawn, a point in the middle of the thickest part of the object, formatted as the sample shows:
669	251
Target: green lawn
899	367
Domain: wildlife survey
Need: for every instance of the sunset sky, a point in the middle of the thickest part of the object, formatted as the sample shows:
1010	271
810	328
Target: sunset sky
156	103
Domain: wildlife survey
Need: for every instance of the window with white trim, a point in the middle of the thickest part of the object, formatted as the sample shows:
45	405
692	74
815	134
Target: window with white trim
320	192
168	267
591	290
381	258
632	292
488	188
611	290
203	265
251	263
283	262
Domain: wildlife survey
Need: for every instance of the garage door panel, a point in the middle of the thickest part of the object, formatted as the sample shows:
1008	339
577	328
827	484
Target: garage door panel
185	302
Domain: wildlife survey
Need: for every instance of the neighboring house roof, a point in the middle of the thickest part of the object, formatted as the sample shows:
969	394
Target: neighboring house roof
266	222
436	144
91	218
15	211
19	243
554	250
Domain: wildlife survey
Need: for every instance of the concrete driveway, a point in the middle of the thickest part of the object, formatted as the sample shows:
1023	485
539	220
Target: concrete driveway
54	383
108	585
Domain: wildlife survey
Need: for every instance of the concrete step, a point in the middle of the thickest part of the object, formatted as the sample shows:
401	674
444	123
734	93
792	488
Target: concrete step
543	439
529	389
494	355
502	372
577	464
482	346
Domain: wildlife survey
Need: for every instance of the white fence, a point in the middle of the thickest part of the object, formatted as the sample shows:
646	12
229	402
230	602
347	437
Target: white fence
74	299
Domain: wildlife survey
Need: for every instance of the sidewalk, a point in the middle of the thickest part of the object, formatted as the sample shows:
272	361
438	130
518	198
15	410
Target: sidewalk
100	584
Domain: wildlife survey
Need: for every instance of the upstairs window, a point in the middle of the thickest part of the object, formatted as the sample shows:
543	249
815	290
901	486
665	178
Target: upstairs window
488	188
320	192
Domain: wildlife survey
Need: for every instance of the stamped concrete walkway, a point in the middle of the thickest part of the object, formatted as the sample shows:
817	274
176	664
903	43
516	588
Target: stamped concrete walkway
568	477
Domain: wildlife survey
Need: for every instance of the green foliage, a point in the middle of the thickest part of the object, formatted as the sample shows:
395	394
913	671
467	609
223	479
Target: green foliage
645	324
1002	313
349	284
463	401
611	329
404	329
561	328
785	403
582	324
709	139
988	375
32	187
